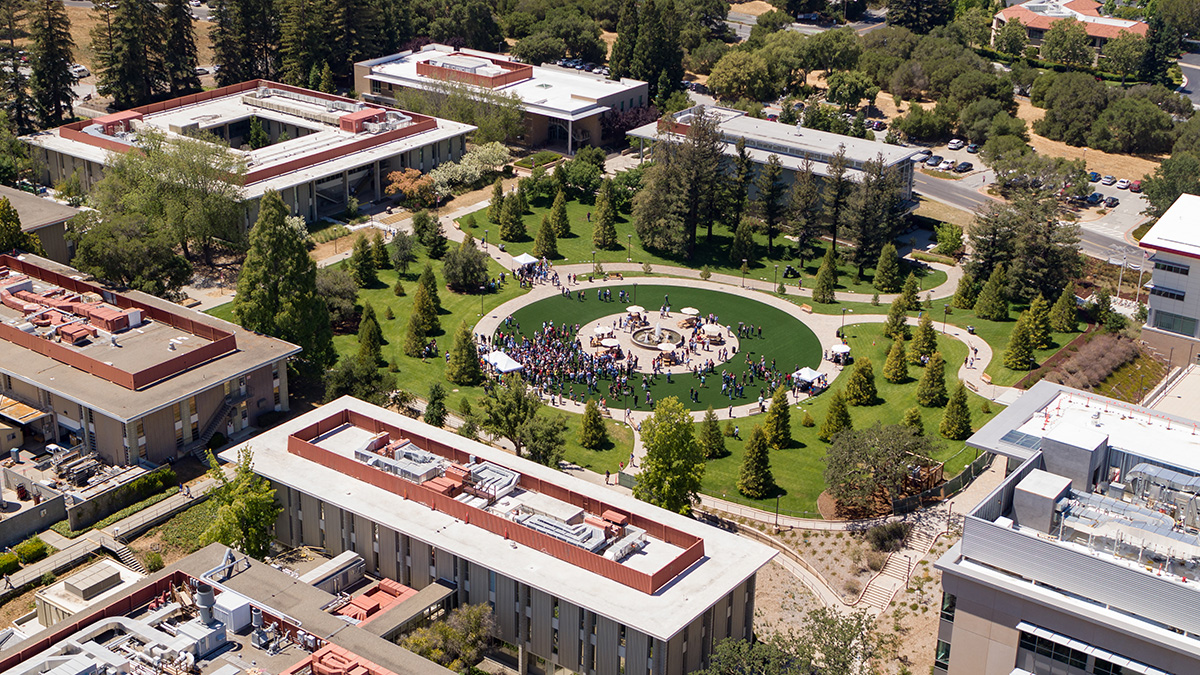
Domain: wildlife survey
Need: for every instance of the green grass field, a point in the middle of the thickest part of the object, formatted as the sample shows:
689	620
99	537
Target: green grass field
996	334
577	248
799	470
786	340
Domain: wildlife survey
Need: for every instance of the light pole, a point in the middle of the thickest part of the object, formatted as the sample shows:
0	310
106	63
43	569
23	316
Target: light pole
775	277
629	248
842	330
485	240
945	313
743	272
593	261
482	290
635	293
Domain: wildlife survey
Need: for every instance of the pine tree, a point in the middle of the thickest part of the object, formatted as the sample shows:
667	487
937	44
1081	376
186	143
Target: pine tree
769	204
1063	316
807	421
895	370
379	251
992	303
545	245
912	420
887	270
910	295
435	406
621	60
826	282
257	138
956	421
896	325
512	225
370	337
398	289
180	56
712	441
463	367
314	77
496	205
429	281
925	342
135	72
593	435
860	390
931	390
742	246
277	287
779	420
604	229
837	418
522	195
50	59
1019	354
422	321
965	293
362	262
327	84
558	215
755	480
1039	322
14	81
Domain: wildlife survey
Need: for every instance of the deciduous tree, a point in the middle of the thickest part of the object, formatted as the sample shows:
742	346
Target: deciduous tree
1067	42
863	466
507	409
674	464
246	507
465	267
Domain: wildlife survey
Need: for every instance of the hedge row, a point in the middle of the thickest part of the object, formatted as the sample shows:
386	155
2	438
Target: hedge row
64	529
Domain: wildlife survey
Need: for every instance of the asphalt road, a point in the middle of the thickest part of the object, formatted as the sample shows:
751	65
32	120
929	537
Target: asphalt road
201	12
1190	64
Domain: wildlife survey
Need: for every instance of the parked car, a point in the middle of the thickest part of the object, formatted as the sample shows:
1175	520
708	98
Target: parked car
1122	184
1093	176
772	117
1095	198
79	70
956	144
934	160
202	71
973	148
1135	186
1111	202
947	165
1108	180
195	3
879	125
964	167
922	155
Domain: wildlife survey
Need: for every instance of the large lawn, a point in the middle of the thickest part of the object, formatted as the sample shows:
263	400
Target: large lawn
799	470
996	334
786	341
711	251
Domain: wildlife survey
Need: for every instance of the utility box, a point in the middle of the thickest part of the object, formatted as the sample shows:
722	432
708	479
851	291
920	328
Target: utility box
233	610
1035	498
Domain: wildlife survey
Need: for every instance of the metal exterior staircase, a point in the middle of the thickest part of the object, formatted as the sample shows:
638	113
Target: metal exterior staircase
214	423
126	556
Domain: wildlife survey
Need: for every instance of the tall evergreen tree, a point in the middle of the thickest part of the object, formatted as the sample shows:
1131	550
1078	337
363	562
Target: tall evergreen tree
712	441
992	303
180	56
742	247
512	225
1162	44
836	193
919	16
965	293
956	420
621	60
735	188
910	293
135	73
370	337
873	212
558	215
245	39
463	367
925	341
931	390
895	369
896	326
362	262
593	435
604	229
50	59
860	390
804	208
429	281
887	270
355	26
496	205
779	420
837	418
422	321
769	201
1064	316
912	420
545	245
435	406
277	287
305	40
14	81
1039	322
826	282
1019	354
755	479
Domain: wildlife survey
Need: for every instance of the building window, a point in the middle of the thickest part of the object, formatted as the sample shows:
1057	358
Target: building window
1174	323
376	87
1102	667
1169	293
1171	267
941	657
1046	648
949	602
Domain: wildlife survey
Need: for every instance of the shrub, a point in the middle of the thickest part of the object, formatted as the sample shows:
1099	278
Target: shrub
852	587
217	441
48	578
1094	362
154	561
889	536
31	550
9	563
876	560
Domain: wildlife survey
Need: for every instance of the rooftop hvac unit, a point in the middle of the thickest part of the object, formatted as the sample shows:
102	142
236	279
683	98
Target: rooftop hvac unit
263	92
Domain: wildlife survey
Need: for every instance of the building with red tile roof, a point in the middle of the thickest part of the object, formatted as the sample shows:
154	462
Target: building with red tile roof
1039	15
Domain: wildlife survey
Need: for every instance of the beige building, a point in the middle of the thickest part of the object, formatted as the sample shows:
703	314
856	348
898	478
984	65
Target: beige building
129	376
45	218
587	579
563	107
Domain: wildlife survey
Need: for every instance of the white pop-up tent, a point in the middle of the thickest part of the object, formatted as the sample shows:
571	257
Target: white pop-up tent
502	362
806	374
524	259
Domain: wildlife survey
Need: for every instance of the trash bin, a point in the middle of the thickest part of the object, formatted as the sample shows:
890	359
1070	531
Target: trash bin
970	330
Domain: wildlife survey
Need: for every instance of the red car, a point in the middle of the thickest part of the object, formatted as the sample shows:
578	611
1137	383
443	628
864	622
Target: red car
1135	186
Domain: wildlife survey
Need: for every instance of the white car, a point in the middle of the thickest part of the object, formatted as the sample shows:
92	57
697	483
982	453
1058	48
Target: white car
195	3
947	165
956	144
1123	184
79	70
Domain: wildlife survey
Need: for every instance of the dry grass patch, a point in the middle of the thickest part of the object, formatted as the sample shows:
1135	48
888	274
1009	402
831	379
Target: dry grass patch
753	8
944	213
1122	166
83	20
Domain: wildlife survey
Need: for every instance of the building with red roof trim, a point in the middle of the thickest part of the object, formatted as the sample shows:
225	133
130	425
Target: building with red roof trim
1039	15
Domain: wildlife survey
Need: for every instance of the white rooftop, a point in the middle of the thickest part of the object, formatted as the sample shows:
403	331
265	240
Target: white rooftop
728	559
556	92
1076	436
1176	231
1044	484
1154	437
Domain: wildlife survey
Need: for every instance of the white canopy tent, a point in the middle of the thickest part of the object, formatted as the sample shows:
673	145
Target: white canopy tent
840	349
502	362
807	374
524	259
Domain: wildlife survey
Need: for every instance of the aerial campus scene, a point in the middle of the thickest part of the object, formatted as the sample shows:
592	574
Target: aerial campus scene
378	337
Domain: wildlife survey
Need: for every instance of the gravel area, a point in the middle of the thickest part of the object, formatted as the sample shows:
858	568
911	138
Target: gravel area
780	601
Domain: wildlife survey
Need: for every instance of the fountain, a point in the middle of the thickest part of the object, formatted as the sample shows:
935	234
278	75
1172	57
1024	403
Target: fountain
651	338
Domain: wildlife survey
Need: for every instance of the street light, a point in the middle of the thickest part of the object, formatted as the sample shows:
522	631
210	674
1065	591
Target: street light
945	313
743	272
485	240
635	293
842	330
593	261
775	277
482	290
629	249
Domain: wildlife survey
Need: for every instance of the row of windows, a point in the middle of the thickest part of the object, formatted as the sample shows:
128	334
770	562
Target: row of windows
1171	267
1174	323
1167	293
1061	653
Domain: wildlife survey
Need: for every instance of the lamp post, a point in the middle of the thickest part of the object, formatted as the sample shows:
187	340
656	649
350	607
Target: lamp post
485	240
743	272
482	290
775	277
635	293
629	248
842	330
945	313
593	261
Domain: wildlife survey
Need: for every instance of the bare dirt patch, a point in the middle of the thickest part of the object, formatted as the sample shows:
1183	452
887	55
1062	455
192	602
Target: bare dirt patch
609	38
946	214
1122	166
753	8
780	601
14	608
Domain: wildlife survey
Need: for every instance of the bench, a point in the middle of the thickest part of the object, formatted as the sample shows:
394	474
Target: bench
986	378
806	308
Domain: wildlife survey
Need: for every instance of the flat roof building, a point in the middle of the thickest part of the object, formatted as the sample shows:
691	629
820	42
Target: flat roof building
1038	16
1085	559
1173	244
588	579
45	218
561	105
127	376
793	144
323	148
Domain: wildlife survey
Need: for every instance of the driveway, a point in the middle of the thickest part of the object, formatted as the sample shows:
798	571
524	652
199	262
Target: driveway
1189	63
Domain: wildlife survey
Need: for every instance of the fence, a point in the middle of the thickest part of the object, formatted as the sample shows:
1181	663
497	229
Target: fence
626	480
947	489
